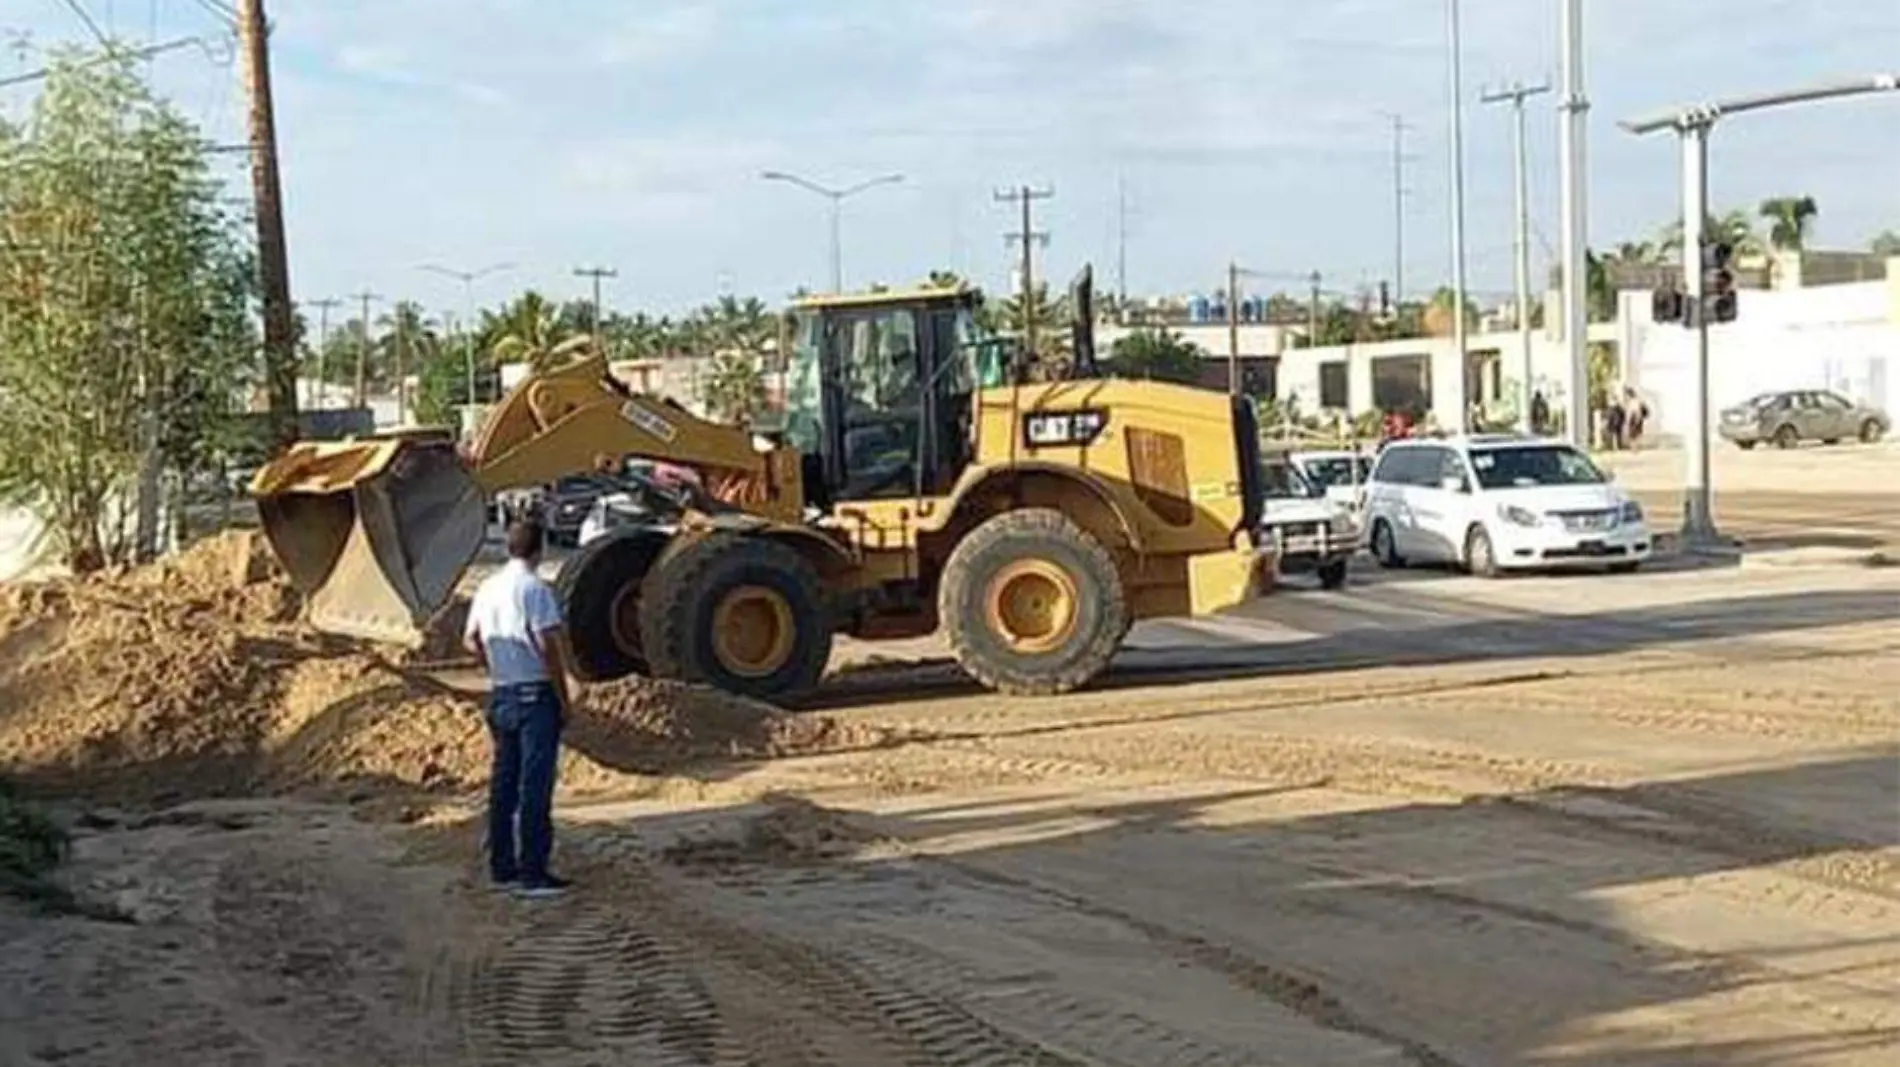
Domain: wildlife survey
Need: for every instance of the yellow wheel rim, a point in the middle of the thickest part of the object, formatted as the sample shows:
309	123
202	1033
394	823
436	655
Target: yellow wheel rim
753	631
1032	605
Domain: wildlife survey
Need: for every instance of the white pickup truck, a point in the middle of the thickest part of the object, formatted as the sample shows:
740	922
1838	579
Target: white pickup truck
1312	532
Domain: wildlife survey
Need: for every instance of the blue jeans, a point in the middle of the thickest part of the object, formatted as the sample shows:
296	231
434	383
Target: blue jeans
524	722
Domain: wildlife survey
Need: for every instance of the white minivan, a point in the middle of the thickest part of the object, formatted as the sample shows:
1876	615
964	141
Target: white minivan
1499	502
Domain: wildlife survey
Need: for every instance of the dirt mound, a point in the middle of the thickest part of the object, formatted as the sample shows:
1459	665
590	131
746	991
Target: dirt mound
651	727
192	677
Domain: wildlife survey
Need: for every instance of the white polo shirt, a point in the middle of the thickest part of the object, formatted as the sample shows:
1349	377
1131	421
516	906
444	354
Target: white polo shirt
511	611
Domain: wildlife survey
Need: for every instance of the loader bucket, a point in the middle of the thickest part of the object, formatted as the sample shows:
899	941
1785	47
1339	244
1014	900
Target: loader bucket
375	532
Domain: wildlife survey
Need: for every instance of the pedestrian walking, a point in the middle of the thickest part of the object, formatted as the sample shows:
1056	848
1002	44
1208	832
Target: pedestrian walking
1540	413
515	631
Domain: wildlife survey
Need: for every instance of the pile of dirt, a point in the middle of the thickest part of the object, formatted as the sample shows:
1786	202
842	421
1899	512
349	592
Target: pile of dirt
651	727
193	677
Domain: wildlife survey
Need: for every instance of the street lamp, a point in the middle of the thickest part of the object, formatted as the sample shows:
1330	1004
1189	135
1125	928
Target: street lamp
468	279
836	196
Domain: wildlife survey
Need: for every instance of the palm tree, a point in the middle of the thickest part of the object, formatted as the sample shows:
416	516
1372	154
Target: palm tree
1050	318
1789	219
1731	228
1637	254
527	330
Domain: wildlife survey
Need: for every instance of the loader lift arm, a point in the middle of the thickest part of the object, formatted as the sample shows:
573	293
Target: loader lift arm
378	531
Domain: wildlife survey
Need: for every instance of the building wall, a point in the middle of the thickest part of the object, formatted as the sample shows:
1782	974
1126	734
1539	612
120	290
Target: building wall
1840	337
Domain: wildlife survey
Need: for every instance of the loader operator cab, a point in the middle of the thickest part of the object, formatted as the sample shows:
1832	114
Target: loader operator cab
878	391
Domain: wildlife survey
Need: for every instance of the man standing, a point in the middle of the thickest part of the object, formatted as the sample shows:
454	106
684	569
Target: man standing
514	630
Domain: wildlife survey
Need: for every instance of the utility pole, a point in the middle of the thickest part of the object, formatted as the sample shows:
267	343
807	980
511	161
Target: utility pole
596	274
280	342
323	342
1312	311
1458	326
1516	96
357	394
1572	179
1121	245
1399	126
402	364
1692	126
1233	328
1028	236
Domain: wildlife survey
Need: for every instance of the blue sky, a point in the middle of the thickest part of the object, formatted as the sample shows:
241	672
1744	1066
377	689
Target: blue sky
555	133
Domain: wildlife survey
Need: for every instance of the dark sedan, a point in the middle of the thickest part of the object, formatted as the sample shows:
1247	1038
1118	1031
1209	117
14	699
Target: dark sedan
1789	418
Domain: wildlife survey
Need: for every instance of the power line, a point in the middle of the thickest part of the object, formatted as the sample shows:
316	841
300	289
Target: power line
85	16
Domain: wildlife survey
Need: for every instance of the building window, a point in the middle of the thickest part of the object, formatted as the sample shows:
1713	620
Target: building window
1332	386
1402	383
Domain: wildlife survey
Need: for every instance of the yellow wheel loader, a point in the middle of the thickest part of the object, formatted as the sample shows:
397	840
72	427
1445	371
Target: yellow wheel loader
919	481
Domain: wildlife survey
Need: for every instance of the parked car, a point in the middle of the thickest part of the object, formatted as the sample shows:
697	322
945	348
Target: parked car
1790	417
567	503
1310	532
1500	502
1339	473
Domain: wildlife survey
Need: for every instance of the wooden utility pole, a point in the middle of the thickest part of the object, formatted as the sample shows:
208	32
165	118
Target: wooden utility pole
359	394
1029	236
596	274
323	343
1312	311
1233	329
280	342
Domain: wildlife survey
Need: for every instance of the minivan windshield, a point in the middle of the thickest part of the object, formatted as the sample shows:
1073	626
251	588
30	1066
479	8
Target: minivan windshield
1529	466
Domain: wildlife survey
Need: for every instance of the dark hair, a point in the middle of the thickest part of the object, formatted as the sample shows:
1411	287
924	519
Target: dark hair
524	539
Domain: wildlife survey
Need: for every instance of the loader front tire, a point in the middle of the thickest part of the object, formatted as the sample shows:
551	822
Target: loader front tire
1032	604
740	613
599	588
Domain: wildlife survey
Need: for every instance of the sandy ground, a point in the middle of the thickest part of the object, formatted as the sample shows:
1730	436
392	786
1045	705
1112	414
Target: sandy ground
1648	820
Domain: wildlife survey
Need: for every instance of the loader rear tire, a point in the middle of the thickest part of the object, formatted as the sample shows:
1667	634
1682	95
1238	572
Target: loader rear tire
599	590
1032	604
741	613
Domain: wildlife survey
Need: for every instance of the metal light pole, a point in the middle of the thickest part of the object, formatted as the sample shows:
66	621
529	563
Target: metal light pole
837	198
1692	126
1457	210
468	279
1572	180
1516	94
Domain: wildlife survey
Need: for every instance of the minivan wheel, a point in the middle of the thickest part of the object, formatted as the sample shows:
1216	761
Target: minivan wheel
1480	557
1787	437
1384	549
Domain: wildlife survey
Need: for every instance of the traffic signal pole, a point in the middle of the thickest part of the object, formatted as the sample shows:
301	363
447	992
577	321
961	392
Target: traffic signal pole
1698	510
1692	126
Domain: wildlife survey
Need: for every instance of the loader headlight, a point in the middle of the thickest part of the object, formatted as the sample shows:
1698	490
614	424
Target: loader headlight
1517	516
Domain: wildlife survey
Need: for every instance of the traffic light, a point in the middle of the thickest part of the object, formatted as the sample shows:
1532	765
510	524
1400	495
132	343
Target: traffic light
1667	305
1718	282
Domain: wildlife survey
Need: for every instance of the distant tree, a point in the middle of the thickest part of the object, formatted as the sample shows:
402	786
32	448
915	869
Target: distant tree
524	331
1789	220
1886	243
1156	353
1439	312
733	388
